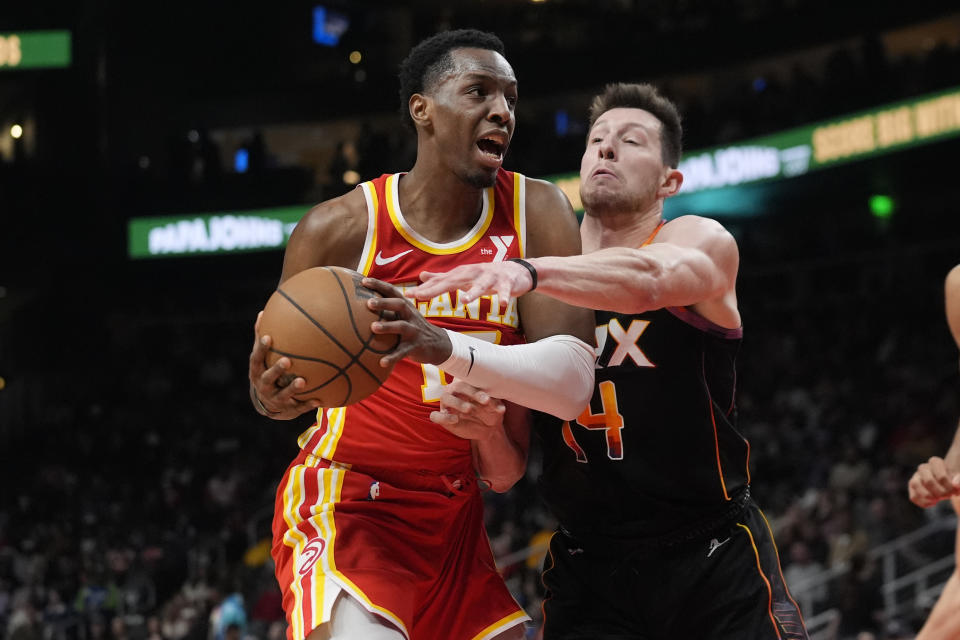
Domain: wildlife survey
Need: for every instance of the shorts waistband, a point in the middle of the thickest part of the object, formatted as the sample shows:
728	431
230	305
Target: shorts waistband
691	533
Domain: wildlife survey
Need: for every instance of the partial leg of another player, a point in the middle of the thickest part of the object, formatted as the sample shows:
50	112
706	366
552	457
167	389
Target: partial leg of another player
350	621
943	622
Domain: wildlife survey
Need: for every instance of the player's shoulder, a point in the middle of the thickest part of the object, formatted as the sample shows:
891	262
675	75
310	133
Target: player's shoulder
543	195
696	227
332	232
350	208
953	278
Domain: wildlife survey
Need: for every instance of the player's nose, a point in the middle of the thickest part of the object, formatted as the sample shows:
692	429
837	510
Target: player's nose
606	150
500	111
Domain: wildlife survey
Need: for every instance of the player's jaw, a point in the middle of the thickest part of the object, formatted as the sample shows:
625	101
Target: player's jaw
484	157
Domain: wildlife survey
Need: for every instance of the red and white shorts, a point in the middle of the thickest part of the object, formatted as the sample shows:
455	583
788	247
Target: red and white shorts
409	547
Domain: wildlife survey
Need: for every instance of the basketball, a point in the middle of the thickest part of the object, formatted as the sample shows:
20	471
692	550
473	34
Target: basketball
319	320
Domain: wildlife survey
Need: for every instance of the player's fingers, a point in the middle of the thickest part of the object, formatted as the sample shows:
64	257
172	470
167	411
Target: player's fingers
258	355
399	307
270	379
385	289
445	418
918	494
935	477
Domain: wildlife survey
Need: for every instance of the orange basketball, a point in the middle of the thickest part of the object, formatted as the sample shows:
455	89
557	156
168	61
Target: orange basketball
319	320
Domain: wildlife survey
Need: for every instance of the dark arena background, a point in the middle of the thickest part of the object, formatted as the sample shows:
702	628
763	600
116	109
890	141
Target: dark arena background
153	158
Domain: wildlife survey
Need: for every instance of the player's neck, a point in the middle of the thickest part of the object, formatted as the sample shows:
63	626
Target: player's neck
628	229
437	204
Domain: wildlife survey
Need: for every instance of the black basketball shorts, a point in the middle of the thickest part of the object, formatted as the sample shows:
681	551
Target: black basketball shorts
727	586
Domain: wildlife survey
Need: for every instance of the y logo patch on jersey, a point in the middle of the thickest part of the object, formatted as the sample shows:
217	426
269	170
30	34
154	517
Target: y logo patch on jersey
380	260
501	243
627	346
310	554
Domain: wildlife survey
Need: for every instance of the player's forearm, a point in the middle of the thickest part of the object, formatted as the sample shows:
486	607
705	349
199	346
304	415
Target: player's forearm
628	280
554	374
499	461
952	457
943	623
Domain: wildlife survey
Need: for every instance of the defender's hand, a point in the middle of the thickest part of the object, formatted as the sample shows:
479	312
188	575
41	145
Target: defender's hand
506	279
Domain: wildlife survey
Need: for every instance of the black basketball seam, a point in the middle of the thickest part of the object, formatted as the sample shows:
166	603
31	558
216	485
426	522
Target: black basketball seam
353	357
356	330
340	372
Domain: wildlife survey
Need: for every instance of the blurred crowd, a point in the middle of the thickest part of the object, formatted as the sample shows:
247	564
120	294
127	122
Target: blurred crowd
138	482
762	99
138	496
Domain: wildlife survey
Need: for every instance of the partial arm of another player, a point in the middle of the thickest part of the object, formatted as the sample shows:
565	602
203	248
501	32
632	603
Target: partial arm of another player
554	371
943	622
939	478
694	261
329	234
499	432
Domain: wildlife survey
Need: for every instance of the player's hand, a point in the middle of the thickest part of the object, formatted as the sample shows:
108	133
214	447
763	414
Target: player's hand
271	388
506	279
469	412
419	340
933	482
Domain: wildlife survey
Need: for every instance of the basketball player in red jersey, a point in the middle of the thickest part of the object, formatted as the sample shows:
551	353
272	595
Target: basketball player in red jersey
939	479
659	538
378	528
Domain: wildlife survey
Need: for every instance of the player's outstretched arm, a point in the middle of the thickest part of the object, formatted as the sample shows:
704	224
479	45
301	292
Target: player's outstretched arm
329	234
693	262
938	481
499	432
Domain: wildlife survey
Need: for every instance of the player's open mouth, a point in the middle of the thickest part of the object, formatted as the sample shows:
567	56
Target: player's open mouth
492	149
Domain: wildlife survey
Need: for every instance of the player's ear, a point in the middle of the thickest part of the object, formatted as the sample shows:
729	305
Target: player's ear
419	106
671	183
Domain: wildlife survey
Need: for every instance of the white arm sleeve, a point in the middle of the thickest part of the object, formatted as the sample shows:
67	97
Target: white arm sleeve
554	374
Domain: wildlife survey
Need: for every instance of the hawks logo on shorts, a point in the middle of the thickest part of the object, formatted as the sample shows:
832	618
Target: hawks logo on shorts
310	554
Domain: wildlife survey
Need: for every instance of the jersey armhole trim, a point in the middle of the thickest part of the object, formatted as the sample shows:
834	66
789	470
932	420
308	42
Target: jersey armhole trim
697	321
370	242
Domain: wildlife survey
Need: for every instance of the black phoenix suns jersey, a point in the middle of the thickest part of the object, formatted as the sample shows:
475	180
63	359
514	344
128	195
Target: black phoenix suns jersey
657	451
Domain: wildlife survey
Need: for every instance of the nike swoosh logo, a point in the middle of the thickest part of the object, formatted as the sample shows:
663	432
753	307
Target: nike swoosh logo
714	545
380	260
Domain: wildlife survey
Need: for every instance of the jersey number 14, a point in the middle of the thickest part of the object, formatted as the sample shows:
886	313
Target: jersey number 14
610	421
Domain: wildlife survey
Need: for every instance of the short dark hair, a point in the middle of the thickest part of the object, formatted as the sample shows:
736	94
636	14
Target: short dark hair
430	59
644	96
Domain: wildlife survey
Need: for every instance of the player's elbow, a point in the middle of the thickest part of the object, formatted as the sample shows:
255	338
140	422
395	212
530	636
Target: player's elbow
576	393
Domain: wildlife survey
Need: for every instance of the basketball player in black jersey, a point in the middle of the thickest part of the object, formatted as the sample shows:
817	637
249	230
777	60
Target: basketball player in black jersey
939	479
659	538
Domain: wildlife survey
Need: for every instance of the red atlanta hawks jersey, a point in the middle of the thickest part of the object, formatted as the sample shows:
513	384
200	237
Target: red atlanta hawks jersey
391	429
